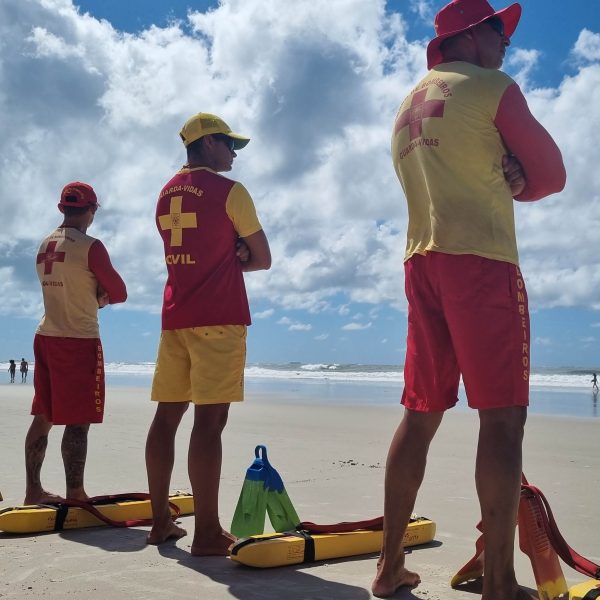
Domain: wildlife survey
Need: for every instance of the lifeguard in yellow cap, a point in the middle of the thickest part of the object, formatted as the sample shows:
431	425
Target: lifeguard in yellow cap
201	216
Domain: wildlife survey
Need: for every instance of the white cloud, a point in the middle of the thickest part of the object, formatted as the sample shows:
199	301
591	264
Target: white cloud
294	325
424	9
321	337
356	326
587	46
316	85
344	310
265	314
300	327
522	63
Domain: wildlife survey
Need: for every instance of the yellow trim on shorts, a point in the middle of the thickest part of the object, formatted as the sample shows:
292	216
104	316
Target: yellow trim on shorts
203	365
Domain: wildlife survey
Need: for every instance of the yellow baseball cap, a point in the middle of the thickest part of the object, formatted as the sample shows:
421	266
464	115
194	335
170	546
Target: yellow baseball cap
206	124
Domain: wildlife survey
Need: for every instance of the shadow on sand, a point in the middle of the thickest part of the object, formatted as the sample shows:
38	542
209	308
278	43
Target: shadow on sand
244	583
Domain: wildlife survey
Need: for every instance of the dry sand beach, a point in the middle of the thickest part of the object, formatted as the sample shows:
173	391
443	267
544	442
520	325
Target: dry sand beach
331	458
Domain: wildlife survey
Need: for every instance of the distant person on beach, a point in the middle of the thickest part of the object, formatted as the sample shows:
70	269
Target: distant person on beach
201	217
464	145
24	368
77	278
12	369
595	381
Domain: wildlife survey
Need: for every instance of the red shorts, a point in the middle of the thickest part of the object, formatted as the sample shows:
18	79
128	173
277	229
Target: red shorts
468	316
68	380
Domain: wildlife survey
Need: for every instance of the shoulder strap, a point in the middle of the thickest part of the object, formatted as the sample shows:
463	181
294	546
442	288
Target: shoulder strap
344	527
90	506
572	558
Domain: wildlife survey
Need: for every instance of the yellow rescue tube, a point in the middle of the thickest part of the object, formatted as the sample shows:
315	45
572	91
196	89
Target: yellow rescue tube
40	518
276	550
588	590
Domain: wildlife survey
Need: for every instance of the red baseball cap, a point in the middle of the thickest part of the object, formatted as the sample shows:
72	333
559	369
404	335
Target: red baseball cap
460	15
77	194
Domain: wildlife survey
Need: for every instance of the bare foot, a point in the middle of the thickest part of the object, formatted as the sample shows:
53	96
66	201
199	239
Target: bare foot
389	579
41	497
80	496
217	545
161	533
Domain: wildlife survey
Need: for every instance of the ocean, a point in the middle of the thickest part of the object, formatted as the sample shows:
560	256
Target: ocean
553	391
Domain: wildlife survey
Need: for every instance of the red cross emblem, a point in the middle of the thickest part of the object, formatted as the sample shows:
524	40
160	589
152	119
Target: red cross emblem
49	257
418	110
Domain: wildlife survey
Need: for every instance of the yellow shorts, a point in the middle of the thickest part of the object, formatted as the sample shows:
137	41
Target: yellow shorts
203	365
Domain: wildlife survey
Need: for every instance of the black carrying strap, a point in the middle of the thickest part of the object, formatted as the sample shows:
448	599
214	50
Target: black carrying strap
61	514
254	540
309	543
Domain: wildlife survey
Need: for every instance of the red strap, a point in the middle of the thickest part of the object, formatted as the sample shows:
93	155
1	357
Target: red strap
90	506
572	558
344	527
560	546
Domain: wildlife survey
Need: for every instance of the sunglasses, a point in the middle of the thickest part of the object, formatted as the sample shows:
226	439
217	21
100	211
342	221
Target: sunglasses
228	141
497	24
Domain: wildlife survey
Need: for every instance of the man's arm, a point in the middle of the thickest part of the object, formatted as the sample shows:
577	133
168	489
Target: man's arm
259	252
112	288
531	145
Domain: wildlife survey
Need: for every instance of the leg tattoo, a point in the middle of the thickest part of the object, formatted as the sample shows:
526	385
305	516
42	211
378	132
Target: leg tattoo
74	453
35	453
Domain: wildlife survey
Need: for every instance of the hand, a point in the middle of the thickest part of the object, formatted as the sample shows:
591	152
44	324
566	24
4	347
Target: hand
242	251
102	296
514	174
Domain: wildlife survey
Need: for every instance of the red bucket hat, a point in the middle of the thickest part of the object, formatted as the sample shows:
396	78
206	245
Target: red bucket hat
459	15
77	194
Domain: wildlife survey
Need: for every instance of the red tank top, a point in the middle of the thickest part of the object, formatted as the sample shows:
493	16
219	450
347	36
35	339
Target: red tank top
205	283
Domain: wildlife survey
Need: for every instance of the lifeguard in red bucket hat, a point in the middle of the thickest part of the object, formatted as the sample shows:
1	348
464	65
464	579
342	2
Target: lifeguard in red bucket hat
461	15
464	146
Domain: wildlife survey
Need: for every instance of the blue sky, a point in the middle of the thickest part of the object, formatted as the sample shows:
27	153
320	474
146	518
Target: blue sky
100	97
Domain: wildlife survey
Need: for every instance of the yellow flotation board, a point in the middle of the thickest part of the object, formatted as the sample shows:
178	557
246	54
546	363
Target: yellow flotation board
588	590
120	509
295	547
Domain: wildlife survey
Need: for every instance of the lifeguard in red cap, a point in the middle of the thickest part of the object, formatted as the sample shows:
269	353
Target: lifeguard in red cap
464	145
77	278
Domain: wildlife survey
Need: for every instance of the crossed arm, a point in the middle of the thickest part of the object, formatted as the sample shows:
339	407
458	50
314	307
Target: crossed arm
534	167
253	252
111	288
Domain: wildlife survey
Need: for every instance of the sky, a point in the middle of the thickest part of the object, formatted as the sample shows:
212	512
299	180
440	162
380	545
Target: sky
97	90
